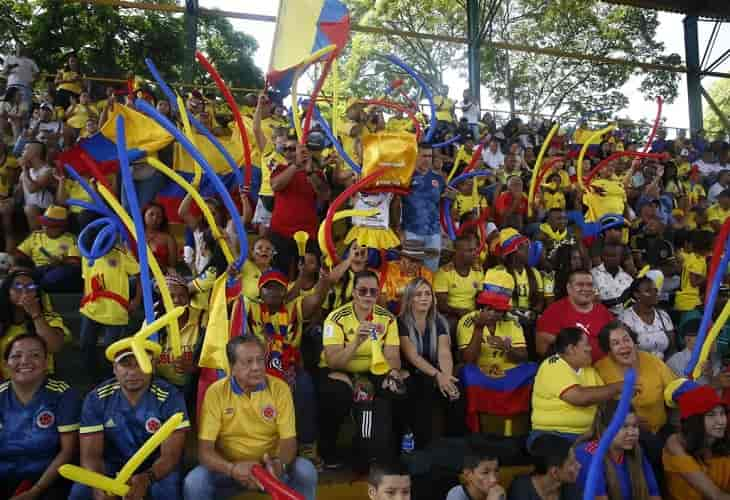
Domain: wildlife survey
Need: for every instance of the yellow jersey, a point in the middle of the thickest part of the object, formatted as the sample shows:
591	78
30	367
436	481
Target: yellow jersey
553	200
612	201
522	286
75	191
250	274
399	125
39	247
109	273
444	107
247	426
461	290
8	174
294	318
652	378
465	203
190	339
270	159
71	87
549	412
493	362
341	328
717	214
688	297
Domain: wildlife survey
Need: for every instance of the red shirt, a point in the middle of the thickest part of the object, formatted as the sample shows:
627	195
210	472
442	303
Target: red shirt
504	201
561	314
295	206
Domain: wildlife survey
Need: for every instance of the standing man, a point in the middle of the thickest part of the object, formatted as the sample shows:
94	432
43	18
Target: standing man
470	111
421	207
21	72
298	185
117	418
247	419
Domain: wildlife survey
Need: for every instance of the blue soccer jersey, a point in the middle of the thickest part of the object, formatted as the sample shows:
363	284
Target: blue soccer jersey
30	434
106	409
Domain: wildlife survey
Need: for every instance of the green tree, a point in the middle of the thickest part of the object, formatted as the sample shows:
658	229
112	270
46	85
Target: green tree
720	93
112	41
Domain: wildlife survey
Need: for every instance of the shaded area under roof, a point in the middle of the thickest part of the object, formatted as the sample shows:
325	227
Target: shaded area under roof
710	9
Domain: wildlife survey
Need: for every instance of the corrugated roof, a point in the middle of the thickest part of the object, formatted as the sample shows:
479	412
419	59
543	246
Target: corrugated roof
710	9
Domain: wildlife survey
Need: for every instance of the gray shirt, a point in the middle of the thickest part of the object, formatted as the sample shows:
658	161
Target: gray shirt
679	361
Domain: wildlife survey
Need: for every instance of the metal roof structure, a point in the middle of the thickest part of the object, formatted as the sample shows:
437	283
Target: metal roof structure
707	9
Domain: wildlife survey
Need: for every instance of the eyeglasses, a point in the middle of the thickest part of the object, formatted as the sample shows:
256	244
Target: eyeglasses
31	287
364	291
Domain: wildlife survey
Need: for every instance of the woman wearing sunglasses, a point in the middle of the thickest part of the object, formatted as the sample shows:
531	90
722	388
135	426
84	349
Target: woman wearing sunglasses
355	336
24	309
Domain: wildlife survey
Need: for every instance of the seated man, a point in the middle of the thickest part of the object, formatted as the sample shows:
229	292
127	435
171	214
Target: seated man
457	283
53	252
117	418
389	482
567	389
247	419
480	471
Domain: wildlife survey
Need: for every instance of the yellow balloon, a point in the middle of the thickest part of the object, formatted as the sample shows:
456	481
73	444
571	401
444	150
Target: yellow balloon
538	164
93	479
188	131
193	192
300	70
588	142
301	238
174	330
710	340
338	216
118	486
126	343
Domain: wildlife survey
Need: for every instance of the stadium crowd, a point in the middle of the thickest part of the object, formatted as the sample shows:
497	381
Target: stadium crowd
519	330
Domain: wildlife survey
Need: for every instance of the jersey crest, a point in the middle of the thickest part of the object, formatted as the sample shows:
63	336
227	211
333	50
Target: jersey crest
152	424
45	419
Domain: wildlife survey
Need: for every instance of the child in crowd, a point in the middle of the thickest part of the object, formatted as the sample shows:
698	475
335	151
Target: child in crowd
694	271
389	482
480	471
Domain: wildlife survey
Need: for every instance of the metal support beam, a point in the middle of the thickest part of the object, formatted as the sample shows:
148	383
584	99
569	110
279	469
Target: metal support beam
472	30
692	56
717	62
191	39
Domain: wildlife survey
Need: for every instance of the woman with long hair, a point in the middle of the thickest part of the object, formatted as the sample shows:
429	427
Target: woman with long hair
626	473
24	309
69	82
163	244
697	458
425	345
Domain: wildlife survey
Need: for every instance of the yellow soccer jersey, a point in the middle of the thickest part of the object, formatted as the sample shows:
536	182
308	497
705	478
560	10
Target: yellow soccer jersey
492	362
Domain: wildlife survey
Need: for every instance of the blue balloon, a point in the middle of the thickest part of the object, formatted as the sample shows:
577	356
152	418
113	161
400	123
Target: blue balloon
447	142
212	175
133	203
172	98
624	405
446	207
338	147
429	96
709	309
534	254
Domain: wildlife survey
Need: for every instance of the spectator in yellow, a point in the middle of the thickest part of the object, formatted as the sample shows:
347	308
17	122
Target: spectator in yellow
397	273
106	302
694	271
567	388
53	252
529	290
554	232
696	459
692	185
605	195
259	261
468	200
457	283
9	174
25	309
78	113
247	419
551	193
68	82
720	211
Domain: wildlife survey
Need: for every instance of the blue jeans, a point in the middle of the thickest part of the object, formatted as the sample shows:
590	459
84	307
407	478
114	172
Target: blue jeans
27	94
90	331
167	488
432	242
202	484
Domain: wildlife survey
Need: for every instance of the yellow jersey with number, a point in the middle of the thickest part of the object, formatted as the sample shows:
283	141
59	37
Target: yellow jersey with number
492	361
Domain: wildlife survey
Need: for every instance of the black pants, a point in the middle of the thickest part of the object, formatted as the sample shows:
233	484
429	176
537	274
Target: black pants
336	404
425	409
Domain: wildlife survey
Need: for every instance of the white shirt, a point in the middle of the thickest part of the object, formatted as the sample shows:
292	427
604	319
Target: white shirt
611	287
23	73
367	201
708	168
42	198
470	111
654	337
714	191
493	160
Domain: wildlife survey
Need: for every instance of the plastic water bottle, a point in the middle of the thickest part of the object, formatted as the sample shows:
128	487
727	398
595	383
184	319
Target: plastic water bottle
408	443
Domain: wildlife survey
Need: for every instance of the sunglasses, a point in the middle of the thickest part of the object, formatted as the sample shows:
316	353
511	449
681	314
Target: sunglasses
31	287
364	291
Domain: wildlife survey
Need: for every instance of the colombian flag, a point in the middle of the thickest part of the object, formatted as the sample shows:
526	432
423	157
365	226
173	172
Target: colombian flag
302	28
504	396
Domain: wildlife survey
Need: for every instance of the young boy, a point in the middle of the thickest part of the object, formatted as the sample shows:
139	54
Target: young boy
53	252
389	482
694	271
480	478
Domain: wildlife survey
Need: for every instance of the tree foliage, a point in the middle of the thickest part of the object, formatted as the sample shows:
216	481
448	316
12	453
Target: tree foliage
720	93
539	84
112	41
